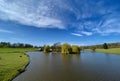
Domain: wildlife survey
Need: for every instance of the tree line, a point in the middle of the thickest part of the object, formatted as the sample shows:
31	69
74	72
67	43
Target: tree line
64	48
74	49
15	45
101	46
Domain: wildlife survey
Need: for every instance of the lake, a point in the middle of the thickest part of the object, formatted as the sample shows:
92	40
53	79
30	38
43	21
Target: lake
87	66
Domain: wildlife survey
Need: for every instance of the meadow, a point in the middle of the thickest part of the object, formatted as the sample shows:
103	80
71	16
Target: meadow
12	62
109	51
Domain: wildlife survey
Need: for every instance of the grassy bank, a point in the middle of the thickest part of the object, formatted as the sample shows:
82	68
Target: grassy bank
16	50
110	51
12	62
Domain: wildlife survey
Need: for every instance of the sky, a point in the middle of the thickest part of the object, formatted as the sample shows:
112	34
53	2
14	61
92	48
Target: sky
40	22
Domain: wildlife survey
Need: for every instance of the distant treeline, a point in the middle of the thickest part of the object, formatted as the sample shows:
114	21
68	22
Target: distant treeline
15	45
109	45
58	47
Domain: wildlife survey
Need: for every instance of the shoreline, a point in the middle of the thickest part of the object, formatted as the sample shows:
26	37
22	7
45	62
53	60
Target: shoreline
22	70
13	62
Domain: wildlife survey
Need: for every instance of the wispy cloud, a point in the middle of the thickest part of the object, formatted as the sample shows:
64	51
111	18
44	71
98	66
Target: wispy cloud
97	17
5	31
109	25
76	34
25	12
92	15
86	33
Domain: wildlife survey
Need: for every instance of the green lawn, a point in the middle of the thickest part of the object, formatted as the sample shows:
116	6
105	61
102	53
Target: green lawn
12	62
111	50
16	50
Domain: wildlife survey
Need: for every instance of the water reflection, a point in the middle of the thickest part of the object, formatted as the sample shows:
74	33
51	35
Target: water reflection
86	66
70	57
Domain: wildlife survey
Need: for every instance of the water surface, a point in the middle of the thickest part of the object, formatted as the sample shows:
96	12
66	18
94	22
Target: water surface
87	66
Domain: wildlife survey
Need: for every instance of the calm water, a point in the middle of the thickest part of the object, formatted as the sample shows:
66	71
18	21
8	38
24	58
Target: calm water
87	66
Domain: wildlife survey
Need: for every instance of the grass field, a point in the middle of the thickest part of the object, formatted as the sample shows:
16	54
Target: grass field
12	62
110	51
16	50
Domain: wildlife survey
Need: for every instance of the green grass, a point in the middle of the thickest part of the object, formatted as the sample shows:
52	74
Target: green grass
12	62
109	51
16	50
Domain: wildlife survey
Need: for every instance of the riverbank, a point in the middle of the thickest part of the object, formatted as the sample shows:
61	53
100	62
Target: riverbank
13	62
109	51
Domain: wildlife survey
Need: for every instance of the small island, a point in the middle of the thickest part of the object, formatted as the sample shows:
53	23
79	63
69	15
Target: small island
63	49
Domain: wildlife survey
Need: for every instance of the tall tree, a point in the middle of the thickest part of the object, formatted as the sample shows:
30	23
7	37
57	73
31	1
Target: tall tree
46	49
75	49
105	46
56	47
66	48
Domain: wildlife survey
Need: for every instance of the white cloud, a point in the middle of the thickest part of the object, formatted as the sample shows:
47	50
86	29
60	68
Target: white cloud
109	25
86	33
91	16
76	34
106	25
5	31
98	18
28	13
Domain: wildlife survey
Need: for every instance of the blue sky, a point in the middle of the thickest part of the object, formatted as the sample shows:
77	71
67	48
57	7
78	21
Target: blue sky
39	22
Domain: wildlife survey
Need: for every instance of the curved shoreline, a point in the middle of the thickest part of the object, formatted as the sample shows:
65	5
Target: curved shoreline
24	69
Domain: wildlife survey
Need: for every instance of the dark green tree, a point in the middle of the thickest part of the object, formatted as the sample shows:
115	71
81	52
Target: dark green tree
105	46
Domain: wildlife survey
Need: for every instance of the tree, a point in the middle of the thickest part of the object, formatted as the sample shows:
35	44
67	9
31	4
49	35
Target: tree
15	45
66	49
93	48
46	49
75	49
4	44
56	47
105	46
28	46
20	45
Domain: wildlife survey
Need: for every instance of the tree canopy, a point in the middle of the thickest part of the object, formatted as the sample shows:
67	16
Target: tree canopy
75	49
105	46
56	47
46	49
15	45
66	48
